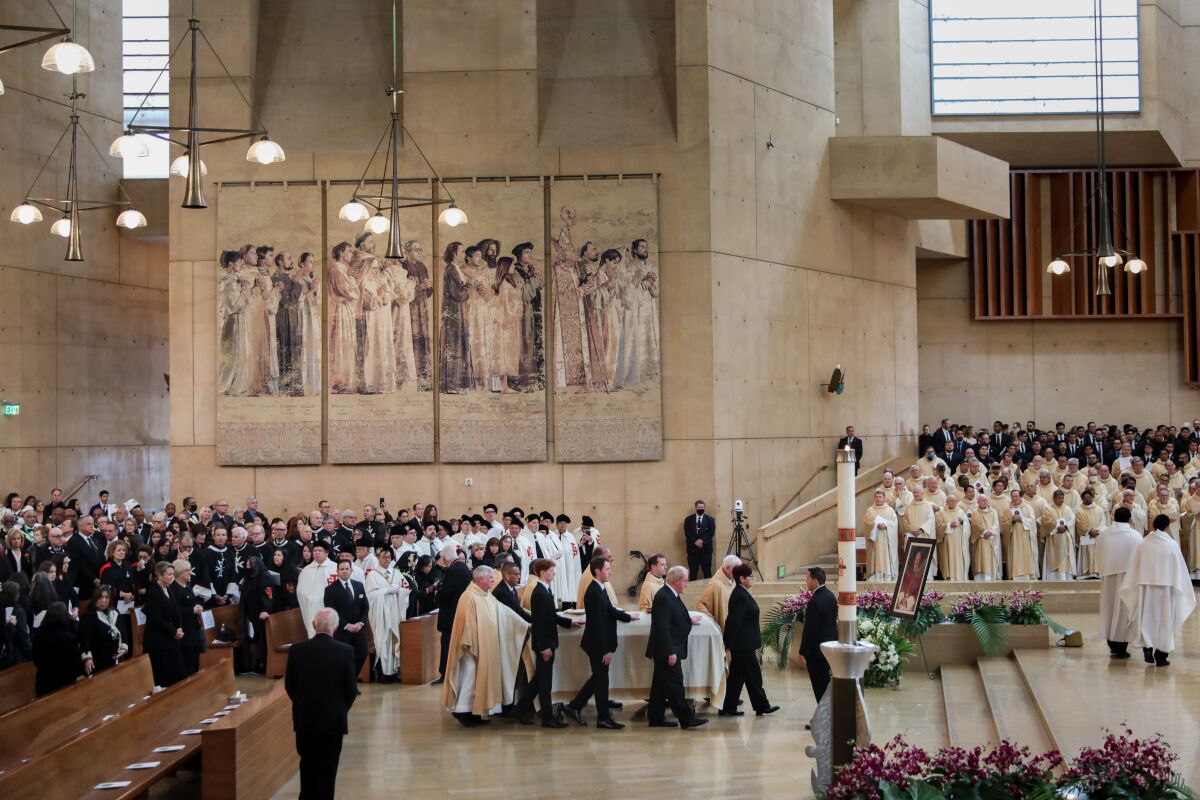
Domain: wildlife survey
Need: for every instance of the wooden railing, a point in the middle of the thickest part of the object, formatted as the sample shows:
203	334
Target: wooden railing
798	537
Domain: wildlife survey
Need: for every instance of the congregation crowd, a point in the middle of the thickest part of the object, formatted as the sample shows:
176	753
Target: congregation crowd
1021	503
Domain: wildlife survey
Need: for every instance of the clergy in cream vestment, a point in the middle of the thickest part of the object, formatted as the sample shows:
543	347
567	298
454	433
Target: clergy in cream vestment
1089	521
919	521
1189	528
1058	522
954	545
387	607
485	651
986	562
1164	503
653	583
714	601
1022	522
880	529
310	588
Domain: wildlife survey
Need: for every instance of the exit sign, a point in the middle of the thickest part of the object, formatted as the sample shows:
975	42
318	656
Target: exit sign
781	572
12	409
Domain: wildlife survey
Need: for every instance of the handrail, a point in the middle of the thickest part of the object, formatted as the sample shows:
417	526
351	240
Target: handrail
79	488
880	468
799	491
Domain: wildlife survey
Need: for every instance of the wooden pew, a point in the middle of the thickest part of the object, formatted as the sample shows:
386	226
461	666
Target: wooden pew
47	722
249	754
420	649
16	686
283	630
73	768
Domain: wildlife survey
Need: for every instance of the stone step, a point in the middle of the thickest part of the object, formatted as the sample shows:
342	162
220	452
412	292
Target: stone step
1014	711
968	717
1061	706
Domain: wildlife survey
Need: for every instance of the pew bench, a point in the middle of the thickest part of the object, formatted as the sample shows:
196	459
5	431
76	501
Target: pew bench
95	755
420	649
16	686
47	722
284	629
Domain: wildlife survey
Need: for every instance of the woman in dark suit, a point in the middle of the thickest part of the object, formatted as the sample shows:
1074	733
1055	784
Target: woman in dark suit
743	639
55	651
193	643
164	628
99	637
15	647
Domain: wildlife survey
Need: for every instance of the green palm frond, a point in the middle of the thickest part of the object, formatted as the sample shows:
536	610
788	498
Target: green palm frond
777	633
987	622
1054	626
1181	789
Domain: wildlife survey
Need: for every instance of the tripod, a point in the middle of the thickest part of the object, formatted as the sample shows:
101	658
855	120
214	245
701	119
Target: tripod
739	543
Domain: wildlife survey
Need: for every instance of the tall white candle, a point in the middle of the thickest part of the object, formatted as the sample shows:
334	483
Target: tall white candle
847	556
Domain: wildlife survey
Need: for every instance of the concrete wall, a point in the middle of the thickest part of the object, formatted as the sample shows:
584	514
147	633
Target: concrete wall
976	372
83	344
766	282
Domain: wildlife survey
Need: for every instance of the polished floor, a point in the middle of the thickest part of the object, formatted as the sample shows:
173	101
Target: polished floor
402	741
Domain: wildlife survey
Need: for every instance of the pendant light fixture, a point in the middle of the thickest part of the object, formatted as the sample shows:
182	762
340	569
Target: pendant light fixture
70	205
41	34
1106	256
382	211
263	151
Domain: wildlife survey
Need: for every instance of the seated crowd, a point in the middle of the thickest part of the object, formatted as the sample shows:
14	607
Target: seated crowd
1021	503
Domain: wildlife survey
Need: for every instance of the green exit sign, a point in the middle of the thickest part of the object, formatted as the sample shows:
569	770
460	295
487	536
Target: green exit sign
781	572
12	409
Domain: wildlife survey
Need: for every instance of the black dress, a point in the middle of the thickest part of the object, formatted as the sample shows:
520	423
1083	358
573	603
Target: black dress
15	646
159	642
193	643
97	638
56	656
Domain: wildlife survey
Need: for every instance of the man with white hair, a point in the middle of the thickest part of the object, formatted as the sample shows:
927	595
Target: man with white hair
310	588
320	681
667	646
456	579
715	599
919	520
252	514
485	651
986	561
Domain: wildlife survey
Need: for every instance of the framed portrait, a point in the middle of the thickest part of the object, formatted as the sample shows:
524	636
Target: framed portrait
911	585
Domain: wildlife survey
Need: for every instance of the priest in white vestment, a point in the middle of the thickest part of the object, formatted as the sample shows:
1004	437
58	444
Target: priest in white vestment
1158	593
1089	521
1163	503
919	521
1189	528
880	530
572	563
387	607
1021	519
526	550
954	541
986	560
1114	548
1058	522
551	550
1130	499
310	588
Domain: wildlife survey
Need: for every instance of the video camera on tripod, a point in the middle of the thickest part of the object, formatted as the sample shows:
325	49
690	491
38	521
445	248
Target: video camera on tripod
739	540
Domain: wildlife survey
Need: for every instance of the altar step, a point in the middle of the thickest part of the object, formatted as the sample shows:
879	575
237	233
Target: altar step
1018	698
1057	596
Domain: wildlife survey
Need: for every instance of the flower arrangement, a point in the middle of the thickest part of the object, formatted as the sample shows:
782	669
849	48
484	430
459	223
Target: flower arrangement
887	664
1122	767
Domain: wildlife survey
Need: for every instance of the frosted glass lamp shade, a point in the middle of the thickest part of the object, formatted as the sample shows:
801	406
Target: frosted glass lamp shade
179	167
264	151
129	146
25	214
453	216
1058	267
131	218
377	224
353	211
69	58
62	227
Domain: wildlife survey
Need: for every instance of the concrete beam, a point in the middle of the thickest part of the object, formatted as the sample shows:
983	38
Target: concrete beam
918	177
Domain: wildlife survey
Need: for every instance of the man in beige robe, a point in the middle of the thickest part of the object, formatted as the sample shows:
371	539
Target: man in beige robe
986	559
1129	498
934	493
1159	468
1058	525
1089	521
1189	528
880	529
1070	493
919	521
1112	487
1021	520
715	599
888	486
586	580
1175	481
954	545
1031	474
1045	486
657	569
1163	503
485	652
1143	481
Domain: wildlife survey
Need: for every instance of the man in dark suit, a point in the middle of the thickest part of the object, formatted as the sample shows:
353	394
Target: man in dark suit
349	599
942	435
456	577
670	625
599	642
320	681
854	443
742	640
220	517
820	625
506	589
1000	438
86	556
543	634
699	530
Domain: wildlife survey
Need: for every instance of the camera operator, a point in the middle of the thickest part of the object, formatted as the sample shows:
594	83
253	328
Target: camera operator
699	529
